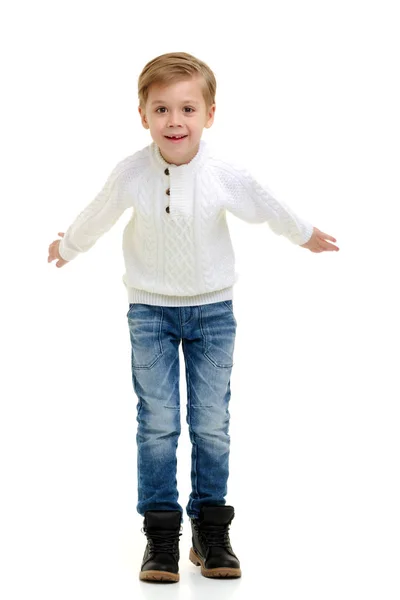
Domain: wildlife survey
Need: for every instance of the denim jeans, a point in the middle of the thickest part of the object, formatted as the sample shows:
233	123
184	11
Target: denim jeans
208	335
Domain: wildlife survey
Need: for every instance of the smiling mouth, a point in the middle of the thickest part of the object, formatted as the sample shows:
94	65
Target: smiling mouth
175	137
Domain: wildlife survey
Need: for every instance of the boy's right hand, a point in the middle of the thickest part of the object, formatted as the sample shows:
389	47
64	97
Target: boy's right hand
54	253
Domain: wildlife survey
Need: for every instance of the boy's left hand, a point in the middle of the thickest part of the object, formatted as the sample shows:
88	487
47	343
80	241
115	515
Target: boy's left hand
318	243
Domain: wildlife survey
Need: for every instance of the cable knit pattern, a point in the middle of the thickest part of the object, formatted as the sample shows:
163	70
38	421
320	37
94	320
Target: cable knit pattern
180	256
185	256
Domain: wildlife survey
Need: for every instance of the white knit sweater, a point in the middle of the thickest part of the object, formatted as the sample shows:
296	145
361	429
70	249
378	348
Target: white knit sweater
185	256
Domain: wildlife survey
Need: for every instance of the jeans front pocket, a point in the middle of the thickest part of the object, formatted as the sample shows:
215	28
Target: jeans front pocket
229	304
219	329
145	326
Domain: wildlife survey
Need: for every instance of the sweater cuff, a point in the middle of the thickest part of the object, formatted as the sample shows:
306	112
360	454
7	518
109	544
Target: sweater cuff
66	253
307	231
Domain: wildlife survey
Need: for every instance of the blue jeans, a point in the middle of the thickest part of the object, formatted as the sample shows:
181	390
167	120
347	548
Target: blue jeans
208	335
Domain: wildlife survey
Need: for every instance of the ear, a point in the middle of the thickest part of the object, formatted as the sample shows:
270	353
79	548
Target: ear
143	118
210	116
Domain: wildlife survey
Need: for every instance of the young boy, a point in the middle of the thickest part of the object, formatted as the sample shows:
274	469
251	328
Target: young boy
179	278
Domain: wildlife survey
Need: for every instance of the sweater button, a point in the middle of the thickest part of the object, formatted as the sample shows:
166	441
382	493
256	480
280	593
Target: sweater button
167	209
166	171
167	192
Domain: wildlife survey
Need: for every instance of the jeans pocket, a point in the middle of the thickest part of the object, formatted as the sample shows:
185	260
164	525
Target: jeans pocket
219	329
228	303
145	327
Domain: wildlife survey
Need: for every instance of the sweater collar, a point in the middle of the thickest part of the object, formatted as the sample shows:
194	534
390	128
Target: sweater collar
197	161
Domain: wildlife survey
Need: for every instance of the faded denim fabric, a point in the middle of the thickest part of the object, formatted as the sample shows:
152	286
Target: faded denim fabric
208	334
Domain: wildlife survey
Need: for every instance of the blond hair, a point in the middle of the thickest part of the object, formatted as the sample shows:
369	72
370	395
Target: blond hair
173	67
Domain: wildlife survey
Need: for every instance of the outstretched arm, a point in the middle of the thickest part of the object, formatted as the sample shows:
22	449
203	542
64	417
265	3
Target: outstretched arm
254	202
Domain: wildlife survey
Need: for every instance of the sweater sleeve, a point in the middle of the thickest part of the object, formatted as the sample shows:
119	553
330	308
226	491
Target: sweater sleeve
98	216
254	202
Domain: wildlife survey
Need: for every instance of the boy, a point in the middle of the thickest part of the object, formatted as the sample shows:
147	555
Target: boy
179	279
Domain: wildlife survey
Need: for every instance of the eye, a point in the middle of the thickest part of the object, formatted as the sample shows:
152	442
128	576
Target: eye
160	107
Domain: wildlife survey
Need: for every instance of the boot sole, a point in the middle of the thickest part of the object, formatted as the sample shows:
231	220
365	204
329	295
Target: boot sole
158	576
217	572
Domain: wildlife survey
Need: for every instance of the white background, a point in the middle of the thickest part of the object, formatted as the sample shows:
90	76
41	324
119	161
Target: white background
308	98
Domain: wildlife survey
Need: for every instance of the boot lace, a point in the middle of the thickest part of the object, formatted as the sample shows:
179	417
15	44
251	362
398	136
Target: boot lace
215	535
167	541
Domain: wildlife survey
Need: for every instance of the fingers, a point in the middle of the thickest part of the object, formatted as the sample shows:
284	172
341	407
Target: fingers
53	251
323	244
328	237
327	246
52	254
322	235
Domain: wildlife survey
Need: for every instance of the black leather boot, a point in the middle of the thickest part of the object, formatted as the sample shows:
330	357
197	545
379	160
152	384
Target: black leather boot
211	547
161	556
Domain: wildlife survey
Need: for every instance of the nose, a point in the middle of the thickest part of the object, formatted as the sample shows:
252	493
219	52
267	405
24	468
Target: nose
174	118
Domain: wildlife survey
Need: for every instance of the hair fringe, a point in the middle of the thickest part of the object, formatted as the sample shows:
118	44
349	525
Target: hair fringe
173	67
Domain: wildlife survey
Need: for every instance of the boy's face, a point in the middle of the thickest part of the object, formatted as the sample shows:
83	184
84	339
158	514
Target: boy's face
177	109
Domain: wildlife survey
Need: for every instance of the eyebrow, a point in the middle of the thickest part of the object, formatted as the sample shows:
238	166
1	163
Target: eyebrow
183	102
